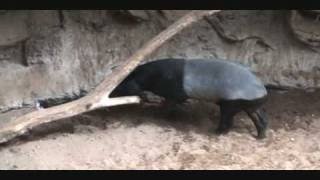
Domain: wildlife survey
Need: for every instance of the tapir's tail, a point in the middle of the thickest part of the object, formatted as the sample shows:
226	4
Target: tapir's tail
277	88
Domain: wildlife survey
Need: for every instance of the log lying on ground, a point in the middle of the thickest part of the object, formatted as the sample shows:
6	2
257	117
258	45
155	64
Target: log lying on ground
99	97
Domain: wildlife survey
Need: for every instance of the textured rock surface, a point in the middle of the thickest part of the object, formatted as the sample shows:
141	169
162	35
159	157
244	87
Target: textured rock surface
13	27
49	54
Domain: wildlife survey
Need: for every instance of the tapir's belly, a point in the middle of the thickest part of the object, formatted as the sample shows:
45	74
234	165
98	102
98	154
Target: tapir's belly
219	81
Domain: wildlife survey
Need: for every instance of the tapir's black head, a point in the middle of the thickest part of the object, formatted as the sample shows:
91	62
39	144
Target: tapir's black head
128	87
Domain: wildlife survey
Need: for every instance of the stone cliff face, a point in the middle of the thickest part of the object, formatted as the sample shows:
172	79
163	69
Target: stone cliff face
59	55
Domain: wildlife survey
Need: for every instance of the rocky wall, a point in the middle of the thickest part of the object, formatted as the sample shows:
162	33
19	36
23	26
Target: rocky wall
59	55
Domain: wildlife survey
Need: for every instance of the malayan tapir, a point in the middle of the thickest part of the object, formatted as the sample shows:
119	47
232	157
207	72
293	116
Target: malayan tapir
230	85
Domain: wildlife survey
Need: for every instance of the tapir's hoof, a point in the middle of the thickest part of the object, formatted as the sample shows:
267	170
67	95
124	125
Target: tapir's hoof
261	136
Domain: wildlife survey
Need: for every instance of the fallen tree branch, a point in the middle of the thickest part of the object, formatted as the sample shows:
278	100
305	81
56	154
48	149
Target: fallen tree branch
99	97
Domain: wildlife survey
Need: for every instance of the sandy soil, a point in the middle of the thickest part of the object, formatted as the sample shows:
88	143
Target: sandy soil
131	137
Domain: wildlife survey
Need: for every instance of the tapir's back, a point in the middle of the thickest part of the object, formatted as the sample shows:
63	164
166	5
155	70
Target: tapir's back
220	79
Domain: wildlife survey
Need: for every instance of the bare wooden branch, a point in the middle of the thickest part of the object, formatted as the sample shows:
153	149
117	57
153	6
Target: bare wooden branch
99	97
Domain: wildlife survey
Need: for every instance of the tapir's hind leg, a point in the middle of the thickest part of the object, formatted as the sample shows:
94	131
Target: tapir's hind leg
260	121
263	117
258	117
228	109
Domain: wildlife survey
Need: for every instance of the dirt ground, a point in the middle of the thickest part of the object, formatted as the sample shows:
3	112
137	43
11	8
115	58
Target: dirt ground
131	137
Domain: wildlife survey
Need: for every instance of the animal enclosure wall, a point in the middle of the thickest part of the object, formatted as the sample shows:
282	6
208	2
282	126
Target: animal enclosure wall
60	54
